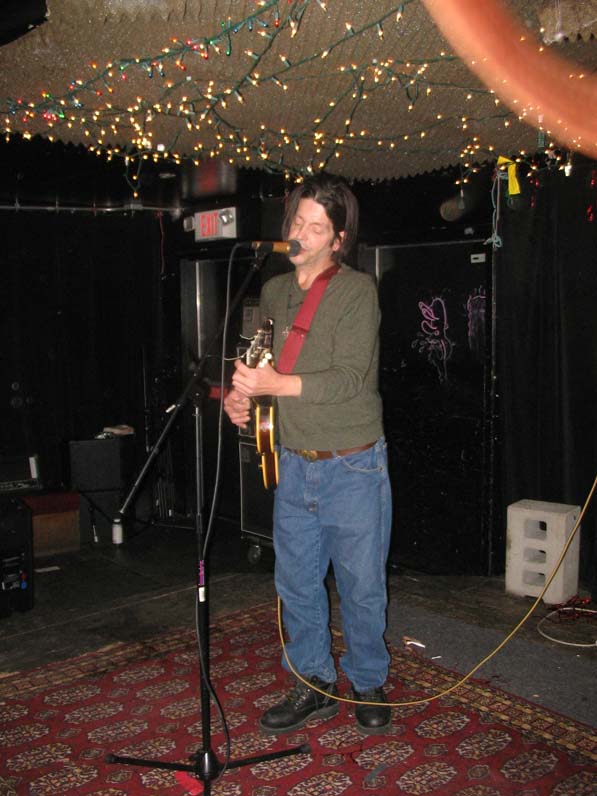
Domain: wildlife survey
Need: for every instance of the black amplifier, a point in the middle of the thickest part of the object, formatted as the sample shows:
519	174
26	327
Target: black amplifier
16	556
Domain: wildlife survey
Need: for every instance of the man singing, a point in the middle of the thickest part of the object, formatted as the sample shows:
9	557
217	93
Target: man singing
333	501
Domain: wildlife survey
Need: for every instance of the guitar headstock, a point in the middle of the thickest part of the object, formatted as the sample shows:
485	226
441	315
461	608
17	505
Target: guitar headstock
260	350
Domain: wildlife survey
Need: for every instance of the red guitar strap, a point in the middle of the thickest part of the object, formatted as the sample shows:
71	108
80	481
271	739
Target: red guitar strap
302	323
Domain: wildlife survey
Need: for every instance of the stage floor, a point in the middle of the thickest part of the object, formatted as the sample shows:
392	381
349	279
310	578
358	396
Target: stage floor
106	594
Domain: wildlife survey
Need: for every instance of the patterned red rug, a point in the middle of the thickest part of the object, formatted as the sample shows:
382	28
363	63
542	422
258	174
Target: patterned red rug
58	723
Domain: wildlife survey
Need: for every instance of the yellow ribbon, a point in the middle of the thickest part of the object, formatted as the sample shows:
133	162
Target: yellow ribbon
513	184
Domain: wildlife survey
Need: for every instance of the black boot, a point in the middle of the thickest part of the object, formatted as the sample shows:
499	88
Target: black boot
301	704
372	719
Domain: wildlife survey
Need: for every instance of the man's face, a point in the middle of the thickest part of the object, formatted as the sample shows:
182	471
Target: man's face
314	231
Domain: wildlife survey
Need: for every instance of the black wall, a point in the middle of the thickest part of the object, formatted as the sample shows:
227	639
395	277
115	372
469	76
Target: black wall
90	316
79	295
546	329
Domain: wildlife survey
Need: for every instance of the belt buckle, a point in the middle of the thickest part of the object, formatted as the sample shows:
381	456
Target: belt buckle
310	456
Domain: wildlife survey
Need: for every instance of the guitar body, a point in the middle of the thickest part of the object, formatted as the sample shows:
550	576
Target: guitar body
257	355
264	436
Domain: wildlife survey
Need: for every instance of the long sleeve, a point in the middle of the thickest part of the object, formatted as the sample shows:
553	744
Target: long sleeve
340	405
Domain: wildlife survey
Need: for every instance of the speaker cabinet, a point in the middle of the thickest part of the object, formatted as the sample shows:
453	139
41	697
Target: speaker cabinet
203	286
256	502
435	376
100	465
16	556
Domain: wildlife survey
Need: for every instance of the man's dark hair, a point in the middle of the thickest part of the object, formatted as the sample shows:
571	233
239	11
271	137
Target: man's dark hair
339	203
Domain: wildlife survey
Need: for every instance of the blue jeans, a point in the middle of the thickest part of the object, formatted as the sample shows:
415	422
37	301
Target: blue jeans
334	511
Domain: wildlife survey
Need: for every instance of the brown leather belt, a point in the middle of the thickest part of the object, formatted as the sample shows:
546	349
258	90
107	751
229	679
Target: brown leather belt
313	456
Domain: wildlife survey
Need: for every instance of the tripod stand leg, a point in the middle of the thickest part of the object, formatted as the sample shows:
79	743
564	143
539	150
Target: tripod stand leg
304	749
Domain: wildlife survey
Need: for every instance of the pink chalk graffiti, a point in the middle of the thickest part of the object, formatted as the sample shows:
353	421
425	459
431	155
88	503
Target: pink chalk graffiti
433	341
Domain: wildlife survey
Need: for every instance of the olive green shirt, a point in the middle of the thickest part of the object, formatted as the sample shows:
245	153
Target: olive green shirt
340	405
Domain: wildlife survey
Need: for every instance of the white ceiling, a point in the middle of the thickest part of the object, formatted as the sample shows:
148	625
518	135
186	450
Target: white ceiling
389	99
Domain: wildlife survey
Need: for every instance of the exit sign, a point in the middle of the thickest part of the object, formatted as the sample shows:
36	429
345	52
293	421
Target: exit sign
215	224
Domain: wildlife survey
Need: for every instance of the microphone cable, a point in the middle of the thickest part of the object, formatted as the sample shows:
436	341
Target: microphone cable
475	668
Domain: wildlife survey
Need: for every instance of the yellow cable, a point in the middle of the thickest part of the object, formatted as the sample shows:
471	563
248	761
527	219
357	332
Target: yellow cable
478	665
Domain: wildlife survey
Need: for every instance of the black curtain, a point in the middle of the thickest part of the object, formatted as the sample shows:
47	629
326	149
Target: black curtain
546	324
79	298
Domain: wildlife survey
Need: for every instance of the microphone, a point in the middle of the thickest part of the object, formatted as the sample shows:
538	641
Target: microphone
289	247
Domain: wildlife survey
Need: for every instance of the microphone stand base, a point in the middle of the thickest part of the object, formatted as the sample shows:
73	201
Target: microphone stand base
207	768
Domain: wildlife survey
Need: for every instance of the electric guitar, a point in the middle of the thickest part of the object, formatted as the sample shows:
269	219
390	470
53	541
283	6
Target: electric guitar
259	353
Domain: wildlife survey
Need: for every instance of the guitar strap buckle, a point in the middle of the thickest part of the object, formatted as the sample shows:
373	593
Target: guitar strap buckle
300	331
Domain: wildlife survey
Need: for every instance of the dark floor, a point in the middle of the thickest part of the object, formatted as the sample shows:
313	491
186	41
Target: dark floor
107	594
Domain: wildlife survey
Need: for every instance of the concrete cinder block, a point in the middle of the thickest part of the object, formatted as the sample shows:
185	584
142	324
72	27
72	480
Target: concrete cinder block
536	535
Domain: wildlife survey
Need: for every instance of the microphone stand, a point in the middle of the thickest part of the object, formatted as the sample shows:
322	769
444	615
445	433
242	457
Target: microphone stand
205	764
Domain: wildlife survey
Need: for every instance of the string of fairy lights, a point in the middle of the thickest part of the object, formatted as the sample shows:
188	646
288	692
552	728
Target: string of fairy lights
193	103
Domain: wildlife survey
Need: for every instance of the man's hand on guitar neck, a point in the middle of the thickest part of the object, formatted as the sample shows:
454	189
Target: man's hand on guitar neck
238	408
264	380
